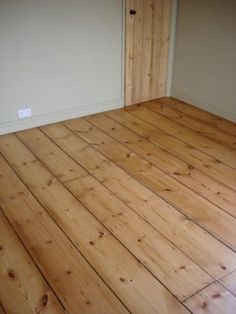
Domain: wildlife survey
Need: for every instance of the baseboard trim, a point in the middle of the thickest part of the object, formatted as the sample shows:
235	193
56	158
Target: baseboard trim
197	102
19	125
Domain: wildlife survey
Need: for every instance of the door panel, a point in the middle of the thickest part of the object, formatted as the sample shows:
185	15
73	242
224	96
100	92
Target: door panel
147	43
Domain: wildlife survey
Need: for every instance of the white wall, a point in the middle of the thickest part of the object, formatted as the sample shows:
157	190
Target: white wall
205	55
62	58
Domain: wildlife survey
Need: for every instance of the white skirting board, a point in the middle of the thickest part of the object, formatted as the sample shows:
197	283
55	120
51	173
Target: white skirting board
71	113
195	101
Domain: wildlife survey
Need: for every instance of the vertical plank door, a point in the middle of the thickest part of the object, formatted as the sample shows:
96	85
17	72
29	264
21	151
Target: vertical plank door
147	43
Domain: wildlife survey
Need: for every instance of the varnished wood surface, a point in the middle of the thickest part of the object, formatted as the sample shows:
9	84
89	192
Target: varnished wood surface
127	211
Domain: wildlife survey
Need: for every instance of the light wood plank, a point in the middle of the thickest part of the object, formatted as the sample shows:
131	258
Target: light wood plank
186	174
147	45
107	192
198	126
179	149
118	268
200	210
129	52
147	49
208	146
115	264
212	300
155	90
73	280
164	49
205	250
22	287
201	115
229	282
138	51
124	224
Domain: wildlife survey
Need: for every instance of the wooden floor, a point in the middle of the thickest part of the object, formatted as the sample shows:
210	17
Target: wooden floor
128	211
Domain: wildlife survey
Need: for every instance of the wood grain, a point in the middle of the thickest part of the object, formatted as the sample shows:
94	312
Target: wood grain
96	243
185	152
213	299
201	115
200	127
194	206
20	279
71	277
127	211
129	52
229	282
181	171
124	224
147	45
205	250
213	149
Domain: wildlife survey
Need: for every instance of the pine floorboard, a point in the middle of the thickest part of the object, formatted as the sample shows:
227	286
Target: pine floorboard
132	210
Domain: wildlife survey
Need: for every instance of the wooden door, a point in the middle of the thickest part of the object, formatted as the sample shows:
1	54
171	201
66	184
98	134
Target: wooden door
147	43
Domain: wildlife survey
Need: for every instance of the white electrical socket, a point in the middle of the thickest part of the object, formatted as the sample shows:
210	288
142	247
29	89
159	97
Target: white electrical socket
24	113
